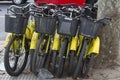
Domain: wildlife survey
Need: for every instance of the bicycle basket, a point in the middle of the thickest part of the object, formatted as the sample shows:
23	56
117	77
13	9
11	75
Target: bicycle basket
67	26
15	24
45	25
88	27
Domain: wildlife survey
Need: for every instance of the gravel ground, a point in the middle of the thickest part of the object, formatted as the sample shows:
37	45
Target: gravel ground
111	73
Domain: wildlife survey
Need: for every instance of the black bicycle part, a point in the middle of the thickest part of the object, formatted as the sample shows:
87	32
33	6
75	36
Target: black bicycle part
62	57
71	64
15	71
87	64
79	64
32	51
53	63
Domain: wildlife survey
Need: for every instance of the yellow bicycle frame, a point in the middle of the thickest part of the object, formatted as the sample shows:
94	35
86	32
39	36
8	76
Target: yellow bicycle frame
9	36
34	41
56	42
74	43
80	39
30	29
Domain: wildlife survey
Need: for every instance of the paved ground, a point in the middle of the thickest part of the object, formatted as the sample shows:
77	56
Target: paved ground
112	73
2	20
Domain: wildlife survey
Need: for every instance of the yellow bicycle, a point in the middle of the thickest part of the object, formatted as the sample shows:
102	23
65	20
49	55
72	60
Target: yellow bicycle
18	40
89	49
67	28
45	23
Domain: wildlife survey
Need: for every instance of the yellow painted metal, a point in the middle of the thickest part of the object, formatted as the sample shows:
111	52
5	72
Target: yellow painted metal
94	47
14	45
74	43
34	41
30	30
9	36
48	43
56	42
68	50
80	44
23	44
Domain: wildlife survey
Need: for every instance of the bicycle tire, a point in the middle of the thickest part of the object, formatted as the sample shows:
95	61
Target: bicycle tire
35	58
61	60
8	68
47	62
87	63
79	64
46	56
32	51
53	63
43	61
71	63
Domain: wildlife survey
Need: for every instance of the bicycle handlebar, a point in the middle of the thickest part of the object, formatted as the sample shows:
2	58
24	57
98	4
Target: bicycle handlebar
23	8
104	21
31	6
39	9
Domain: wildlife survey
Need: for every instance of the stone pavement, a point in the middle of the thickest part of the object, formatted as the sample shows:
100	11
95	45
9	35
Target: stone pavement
112	73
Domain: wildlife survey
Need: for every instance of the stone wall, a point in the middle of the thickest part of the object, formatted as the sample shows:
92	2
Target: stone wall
109	51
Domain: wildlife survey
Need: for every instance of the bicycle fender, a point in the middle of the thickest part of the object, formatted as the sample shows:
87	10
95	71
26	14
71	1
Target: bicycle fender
30	29
34	41
28	34
74	43
94	47
9	36
56	42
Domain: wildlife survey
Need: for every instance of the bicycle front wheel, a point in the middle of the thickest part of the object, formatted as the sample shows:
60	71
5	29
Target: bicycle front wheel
53	63
39	57
71	64
15	58
61	58
32	51
36	58
87	64
79	64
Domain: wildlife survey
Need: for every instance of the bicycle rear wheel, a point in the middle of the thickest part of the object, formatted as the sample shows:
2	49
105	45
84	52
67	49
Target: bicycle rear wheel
15	58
